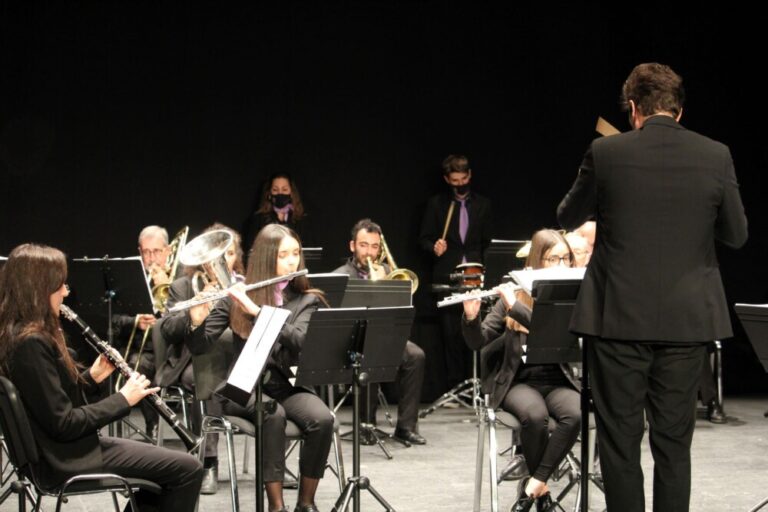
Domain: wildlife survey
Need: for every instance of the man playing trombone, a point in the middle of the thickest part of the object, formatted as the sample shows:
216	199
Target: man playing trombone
366	246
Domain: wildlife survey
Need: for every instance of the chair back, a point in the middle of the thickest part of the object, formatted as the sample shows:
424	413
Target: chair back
19	439
211	368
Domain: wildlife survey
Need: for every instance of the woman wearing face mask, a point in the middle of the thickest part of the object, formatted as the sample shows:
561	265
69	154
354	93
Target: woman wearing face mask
532	392
276	251
280	203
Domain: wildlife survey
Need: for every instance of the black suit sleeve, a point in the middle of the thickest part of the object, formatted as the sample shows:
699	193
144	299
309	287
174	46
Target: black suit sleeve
294	331
478	335
36	374
731	224
580	203
202	339
176	326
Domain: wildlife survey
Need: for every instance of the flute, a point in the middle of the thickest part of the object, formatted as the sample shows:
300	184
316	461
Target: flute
190	440
461	297
217	295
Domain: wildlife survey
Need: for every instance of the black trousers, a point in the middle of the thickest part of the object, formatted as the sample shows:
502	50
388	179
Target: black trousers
662	379
178	473
533	405
313	418
707	381
212	407
410	377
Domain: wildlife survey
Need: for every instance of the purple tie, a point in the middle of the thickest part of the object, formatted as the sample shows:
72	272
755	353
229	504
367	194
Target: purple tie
463	220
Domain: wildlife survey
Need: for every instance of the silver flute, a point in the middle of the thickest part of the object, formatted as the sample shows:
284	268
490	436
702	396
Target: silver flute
190	440
204	298
461	297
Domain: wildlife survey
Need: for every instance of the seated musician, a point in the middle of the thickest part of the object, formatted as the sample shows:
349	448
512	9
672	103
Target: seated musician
366	243
34	356
133	330
532	392
276	251
177	366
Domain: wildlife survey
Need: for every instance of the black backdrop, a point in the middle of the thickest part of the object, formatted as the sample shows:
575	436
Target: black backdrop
115	115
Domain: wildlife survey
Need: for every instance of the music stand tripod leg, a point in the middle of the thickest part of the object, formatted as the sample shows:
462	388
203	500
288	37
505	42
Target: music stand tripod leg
357	482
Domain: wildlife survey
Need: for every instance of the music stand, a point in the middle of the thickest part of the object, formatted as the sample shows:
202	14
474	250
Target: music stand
498	259
754	318
369	294
117	282
312	255
333	285
354	346
551	342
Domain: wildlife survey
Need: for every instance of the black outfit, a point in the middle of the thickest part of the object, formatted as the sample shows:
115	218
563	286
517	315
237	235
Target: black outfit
258	220
458	360
300	405
532	393
66	428
177	366
410	374
652	295
123	326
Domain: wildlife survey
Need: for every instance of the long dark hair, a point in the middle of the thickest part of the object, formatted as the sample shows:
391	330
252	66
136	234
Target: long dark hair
265	204
262	264
29	277
541	242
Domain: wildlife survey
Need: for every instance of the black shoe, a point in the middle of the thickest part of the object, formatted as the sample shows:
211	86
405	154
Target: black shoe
410	436
715	413
544	503
524	502
306	508
210	480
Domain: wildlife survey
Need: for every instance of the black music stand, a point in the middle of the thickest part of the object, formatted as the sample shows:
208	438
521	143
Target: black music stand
754	318
551	342
369	294
354	346
312	255
117	282
333	285
499	259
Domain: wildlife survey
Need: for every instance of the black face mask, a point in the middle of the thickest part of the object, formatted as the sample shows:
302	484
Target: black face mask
281	200
461	189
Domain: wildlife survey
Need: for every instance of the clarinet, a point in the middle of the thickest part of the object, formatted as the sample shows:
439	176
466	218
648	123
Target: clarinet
190	440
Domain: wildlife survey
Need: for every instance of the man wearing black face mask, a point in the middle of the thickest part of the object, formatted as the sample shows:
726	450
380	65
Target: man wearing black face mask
467	236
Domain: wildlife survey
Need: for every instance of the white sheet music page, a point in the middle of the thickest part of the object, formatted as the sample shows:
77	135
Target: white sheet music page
254	356
525	278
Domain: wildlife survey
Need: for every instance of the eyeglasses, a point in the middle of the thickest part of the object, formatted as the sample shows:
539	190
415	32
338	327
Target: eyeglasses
152	252
556	260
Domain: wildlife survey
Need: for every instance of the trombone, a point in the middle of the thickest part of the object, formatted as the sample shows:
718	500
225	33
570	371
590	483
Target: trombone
399	274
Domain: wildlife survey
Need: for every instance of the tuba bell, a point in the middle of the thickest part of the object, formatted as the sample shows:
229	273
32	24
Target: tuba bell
208	251
399	274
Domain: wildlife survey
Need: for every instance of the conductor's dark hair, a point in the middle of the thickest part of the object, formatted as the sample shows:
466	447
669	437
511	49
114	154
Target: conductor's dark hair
654	88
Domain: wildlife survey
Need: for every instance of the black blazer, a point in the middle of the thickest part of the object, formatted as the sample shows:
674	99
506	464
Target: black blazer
287	347
501	349
478	233
661	196
174	329
64	425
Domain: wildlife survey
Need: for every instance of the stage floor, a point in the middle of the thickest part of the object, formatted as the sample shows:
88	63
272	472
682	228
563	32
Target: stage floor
730	468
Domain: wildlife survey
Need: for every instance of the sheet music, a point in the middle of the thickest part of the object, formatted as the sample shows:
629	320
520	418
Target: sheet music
498	241
253	357
525	278
764	306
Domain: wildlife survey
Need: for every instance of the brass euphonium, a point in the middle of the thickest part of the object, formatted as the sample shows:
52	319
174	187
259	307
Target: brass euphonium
400	274
208	251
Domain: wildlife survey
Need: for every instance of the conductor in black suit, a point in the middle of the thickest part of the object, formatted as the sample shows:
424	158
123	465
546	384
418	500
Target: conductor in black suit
652	296
468	235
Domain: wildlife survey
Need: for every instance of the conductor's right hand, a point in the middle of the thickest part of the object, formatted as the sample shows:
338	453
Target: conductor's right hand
440	247
136	388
